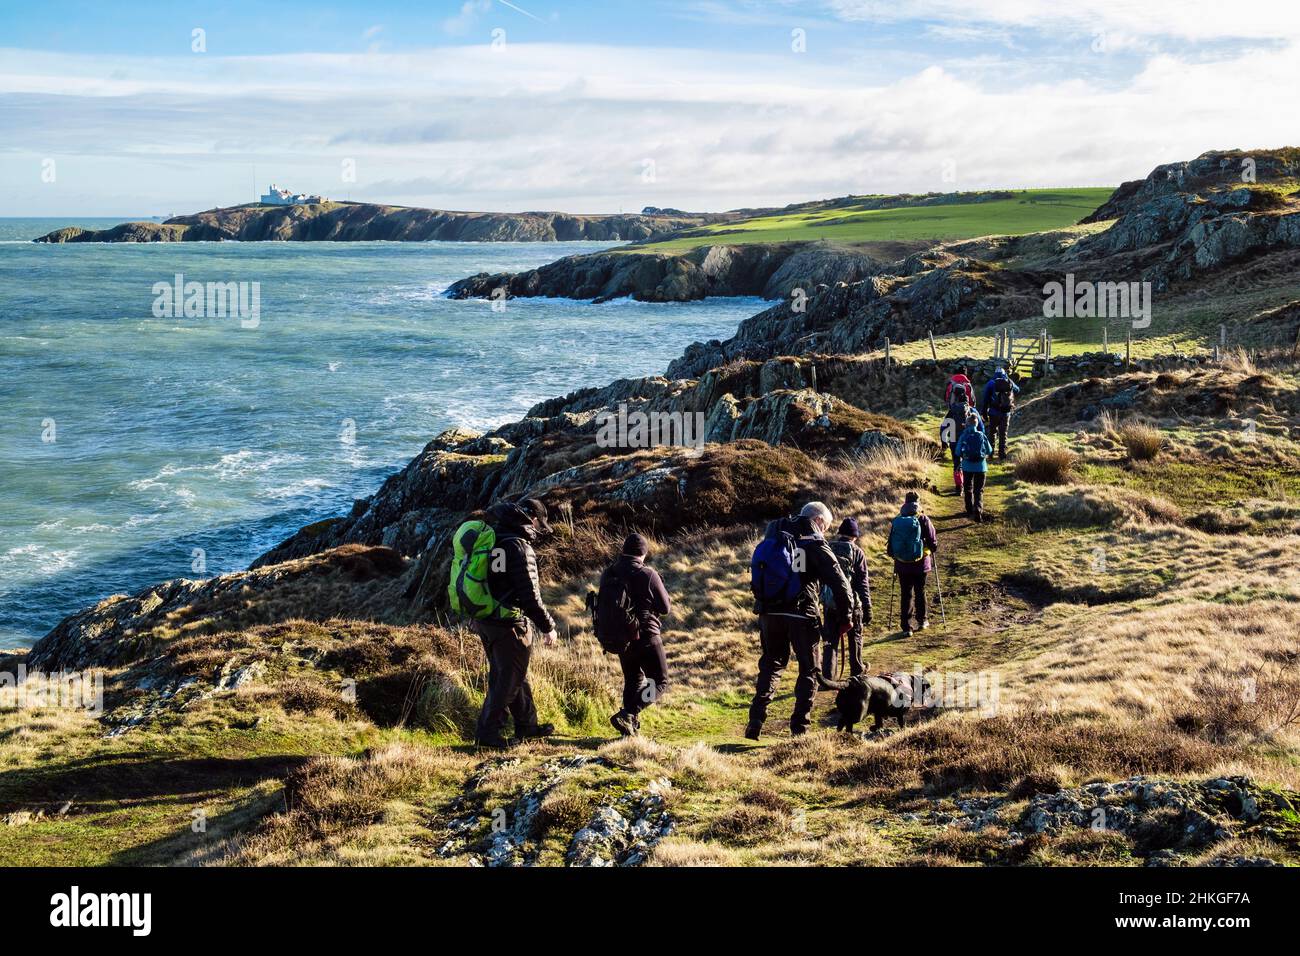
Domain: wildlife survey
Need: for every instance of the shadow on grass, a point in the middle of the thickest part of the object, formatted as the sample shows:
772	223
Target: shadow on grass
135	779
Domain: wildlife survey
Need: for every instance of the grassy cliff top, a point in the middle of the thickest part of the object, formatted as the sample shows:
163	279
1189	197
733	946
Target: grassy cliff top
875	218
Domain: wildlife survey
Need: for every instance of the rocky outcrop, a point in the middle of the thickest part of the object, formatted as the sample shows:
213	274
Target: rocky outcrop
559	450
757	269
354	222
1163	821
126	232
859	316
1217	169
120	630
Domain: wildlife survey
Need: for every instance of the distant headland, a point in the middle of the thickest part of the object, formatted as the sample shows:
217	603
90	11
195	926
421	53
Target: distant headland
283	216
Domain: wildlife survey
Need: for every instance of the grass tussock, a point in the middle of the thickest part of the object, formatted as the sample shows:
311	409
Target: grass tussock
956	752
1045	462
1141	442
1082	506
331	799
1251	705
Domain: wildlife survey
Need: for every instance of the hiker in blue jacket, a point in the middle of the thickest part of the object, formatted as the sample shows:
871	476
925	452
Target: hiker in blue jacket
789	568
997	403
974	449
912	544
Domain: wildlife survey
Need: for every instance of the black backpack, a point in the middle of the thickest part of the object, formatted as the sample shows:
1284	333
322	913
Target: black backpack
1003	398
613	613
844	555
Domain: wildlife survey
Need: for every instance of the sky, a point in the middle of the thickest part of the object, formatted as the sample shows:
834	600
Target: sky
141	109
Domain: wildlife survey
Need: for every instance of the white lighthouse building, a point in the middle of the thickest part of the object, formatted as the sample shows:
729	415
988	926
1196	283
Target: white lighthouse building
276	196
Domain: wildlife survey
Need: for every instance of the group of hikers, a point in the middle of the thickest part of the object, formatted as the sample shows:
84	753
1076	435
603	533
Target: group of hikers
811	592
966	429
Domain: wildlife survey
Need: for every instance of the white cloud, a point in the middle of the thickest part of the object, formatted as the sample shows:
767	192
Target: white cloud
466	18
1184	19
568	126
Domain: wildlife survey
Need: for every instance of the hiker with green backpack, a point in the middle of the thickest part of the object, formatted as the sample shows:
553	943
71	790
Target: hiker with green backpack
854	565
912	544
494	584
787	572
974	449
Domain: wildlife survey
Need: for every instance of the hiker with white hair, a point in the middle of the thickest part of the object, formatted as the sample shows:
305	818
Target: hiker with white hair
788	570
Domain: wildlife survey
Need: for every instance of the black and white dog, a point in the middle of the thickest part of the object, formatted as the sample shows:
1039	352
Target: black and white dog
890	695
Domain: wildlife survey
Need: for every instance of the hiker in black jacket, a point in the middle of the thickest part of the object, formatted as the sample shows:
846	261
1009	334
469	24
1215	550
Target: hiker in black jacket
512	579
854	565
644	664
795	624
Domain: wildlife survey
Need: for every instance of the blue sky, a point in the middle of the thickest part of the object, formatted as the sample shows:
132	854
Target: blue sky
124	109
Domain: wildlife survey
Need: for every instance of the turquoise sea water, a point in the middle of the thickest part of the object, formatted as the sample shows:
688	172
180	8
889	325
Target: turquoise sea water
128	441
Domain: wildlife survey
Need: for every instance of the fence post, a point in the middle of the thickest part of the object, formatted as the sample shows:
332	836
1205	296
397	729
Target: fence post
934	353
1128	349
1105	340
886	352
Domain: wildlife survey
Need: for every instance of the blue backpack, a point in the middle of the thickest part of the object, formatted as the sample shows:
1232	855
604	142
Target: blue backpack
972	445
905	539
772	576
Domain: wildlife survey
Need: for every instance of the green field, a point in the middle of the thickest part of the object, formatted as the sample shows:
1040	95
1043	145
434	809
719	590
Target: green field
1031	210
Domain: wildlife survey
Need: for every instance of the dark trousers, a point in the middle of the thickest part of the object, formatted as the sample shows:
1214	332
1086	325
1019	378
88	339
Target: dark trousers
973	489
645	674
911	585
508	651
779	636
998	432
831	646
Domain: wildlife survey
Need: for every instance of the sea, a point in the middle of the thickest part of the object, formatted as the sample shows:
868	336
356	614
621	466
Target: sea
141	440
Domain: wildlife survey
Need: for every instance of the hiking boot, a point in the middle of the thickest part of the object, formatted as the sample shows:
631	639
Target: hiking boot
535	733
907	632
752	730
624	723
923	625
492	743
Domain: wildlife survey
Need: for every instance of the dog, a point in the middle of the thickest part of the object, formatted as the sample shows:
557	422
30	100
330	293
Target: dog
889	695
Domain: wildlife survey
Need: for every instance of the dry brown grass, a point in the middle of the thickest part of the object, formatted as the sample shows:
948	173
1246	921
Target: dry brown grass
1088	505
1045	462
959	751
1141	441
1251	705
332	800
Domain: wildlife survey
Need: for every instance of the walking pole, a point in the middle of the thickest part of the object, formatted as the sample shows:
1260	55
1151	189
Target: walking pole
939	583
892	577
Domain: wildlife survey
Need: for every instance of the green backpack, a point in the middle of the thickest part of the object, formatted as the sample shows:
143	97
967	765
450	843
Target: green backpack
472	547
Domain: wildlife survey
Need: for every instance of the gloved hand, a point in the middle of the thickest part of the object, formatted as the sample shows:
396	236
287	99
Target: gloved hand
866	617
